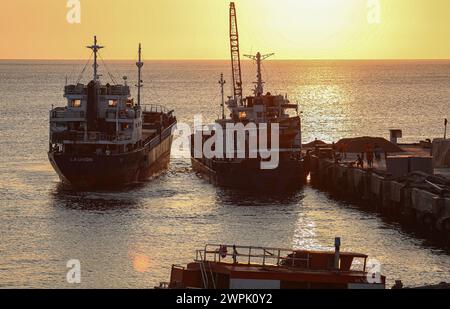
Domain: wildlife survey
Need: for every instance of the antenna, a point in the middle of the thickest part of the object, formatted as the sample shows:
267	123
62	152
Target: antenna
139	85
222	82
95	48
259	89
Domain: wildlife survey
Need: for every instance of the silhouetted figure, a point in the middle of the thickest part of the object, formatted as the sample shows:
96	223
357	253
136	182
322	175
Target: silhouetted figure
359	162
370	159
378	151
235	254
369	155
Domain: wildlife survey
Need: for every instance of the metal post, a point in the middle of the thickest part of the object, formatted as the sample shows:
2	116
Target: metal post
222	82
95	48
139	64
445	128
337	246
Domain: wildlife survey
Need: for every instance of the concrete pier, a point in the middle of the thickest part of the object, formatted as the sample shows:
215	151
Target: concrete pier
421	199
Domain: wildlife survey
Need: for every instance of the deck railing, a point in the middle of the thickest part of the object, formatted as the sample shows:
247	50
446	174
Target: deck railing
154	108
90	136
251	255
64	113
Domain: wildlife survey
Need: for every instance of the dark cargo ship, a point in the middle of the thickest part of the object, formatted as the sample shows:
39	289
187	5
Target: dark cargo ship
103	139
258	113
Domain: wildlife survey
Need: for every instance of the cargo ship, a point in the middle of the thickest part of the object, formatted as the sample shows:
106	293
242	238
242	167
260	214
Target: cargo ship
103	138
258	114
219	266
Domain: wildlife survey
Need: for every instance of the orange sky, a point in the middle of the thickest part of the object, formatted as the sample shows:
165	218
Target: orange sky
198	29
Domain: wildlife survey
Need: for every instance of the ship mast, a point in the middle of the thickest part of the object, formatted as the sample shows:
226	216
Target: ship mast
95	48
139	85
259	88
222	82
235	56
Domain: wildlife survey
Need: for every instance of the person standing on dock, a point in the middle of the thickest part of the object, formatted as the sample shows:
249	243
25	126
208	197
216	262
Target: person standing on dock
378	151
360	162
369	155
235	254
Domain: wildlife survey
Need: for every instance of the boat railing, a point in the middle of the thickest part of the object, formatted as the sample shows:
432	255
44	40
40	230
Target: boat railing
252	255
153	108
89	136
112	113
60	113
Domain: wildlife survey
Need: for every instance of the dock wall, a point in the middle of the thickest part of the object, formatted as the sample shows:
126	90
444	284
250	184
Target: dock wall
400	199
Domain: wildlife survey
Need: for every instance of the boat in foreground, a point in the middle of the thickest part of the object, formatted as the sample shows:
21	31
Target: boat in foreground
103	139
244	267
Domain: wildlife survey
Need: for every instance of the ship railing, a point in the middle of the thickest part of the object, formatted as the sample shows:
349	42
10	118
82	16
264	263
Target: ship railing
153	108
113	113
60	113
89	136
154	141
252	255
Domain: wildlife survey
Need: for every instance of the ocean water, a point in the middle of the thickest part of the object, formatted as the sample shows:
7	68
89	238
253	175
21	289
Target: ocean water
131	238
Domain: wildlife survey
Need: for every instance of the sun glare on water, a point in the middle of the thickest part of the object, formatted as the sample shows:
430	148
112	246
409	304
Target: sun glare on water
141	263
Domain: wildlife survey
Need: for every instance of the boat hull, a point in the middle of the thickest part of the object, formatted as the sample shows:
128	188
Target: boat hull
111	171
290	174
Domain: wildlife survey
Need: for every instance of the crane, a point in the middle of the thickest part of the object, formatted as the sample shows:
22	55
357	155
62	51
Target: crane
235	56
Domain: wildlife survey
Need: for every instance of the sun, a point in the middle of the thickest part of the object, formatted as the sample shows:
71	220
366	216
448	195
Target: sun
311	22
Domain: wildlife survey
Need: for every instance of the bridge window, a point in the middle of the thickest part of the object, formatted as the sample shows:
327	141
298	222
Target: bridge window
112	103
75	103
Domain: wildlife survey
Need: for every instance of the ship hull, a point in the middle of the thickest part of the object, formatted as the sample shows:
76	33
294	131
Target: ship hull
289	175
111	171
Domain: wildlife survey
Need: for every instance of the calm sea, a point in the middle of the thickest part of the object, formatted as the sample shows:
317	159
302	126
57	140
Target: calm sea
131	238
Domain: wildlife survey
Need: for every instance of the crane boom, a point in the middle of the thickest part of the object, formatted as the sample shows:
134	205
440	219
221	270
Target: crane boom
235	56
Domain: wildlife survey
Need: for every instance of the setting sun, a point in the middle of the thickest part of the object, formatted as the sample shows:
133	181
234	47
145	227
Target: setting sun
198	29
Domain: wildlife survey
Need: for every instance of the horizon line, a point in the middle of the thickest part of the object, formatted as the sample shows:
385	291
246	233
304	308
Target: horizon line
227	59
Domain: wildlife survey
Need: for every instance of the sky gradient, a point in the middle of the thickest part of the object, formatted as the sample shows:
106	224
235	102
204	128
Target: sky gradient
198	29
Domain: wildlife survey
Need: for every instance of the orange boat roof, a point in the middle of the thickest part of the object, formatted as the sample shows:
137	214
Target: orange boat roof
349	254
